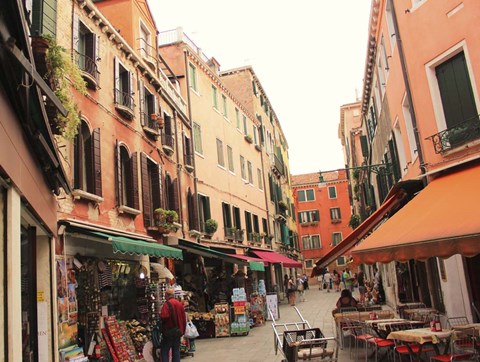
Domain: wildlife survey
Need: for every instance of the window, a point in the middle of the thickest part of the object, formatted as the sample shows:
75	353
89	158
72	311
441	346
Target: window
335	214
236	218
145	43
148	106
254	86
255	135
243	168
203	210
309	263
410	132
192	219
250	172
458	102
230	159
214	97
197	138
225	108
127	178
227	215
336	238
256	225
192	77
332	192
306	195
260	179
248	225
123	97
371	123
237	117
167	135
86	47
87	172
220	156
245	127
308	216
187	152
151	186
341	261
311	242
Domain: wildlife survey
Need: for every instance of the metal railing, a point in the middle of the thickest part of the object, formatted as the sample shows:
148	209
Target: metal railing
456	136
147	51
168	140
148	121
87	65
124	99
177	35
239	235
188	159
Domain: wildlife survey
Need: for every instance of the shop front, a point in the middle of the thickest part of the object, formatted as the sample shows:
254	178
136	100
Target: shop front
109	291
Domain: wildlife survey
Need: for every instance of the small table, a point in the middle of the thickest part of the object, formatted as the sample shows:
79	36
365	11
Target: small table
383	326
422	336
417	313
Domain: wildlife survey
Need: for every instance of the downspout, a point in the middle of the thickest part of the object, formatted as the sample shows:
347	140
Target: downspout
189	105
407	88
264	185
179	169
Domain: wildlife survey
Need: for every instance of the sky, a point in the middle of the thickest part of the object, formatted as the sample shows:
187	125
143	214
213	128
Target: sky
309	56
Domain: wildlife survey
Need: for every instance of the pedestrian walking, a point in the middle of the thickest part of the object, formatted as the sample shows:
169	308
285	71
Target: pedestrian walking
292	289
320	282
362	289
300	289
173	326
305	282
327	281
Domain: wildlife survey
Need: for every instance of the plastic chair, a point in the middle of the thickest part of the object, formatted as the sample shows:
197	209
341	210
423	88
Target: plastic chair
462	346
457	321
405	349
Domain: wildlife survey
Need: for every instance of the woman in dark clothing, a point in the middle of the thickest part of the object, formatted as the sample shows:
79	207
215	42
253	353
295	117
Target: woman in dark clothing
345	301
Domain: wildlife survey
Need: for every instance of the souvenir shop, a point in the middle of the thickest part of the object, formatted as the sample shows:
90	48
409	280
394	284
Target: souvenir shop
110	289
228	294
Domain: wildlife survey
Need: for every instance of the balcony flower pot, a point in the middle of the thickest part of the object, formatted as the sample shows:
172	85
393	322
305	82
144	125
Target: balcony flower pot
211	226
166	220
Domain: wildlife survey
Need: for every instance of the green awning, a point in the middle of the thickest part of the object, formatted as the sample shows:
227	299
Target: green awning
206	252
255	265
124	245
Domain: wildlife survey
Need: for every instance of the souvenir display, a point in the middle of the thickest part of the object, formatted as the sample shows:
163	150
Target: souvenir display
222	320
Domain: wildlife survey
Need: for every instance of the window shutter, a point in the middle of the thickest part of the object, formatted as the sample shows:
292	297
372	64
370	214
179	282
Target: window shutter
135	201
208	214
76	32
157	187
90	46
364	144
116	80
176	197
88	171
97	50
118	175
147	202
97	162
130	84
141	96
77	157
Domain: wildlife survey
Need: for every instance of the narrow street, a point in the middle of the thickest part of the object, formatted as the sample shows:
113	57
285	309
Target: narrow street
258	345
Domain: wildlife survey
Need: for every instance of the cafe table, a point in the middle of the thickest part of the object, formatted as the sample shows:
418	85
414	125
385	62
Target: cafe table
422	336
383	326
418	313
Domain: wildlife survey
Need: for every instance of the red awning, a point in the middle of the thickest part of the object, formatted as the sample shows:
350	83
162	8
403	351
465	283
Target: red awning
275	258
442	220
363	229
249	258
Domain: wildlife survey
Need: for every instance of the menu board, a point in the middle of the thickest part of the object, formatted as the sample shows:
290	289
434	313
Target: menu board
272	305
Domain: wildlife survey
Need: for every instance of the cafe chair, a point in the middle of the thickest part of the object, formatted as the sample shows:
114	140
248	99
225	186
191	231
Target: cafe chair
457	321
344	330
404	348
348	309
356	331
377	343
462	346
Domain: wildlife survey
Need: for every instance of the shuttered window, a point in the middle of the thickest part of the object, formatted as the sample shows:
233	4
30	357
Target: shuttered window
87	161
197	138
44	17
151	188
236	218
127	178
220	155
192	219
227	215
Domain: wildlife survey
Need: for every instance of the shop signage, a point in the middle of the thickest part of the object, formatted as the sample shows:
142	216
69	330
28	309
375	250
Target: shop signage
240	309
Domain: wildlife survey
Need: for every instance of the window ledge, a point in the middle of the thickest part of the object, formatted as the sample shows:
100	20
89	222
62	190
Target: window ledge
80	194
151	131
122	209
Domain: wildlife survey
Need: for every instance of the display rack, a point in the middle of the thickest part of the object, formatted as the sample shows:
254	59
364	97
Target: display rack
222	320
240	324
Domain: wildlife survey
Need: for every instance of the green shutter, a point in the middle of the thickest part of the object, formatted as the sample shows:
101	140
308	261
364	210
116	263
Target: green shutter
44	17
364	144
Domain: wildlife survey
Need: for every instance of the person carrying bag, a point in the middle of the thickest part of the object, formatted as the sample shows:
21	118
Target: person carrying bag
174	322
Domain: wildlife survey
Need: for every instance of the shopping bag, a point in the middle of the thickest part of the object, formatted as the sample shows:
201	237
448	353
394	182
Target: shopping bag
191	331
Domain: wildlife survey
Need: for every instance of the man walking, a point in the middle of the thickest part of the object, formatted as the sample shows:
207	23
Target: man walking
174	322
327	281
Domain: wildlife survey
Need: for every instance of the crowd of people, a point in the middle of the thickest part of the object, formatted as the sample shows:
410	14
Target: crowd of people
294	286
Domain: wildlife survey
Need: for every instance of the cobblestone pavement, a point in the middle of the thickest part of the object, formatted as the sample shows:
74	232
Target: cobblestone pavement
258	345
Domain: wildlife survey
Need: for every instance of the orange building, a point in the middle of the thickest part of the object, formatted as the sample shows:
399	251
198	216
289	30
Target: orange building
323	211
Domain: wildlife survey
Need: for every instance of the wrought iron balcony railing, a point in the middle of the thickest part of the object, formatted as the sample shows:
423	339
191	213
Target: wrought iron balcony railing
124	99
87	65
168	140
456	136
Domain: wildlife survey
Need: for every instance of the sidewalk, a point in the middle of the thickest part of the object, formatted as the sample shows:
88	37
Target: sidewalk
258	346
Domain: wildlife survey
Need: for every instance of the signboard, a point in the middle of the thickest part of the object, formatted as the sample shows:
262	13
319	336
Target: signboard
240	309
272	305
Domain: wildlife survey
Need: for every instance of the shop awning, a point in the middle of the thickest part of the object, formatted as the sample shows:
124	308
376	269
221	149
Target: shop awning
206	252
363	229
276	258
253	263
124	245
442	220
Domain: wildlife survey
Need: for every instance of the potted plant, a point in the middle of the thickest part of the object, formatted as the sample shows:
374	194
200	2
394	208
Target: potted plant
283	205
64	74
165	220
211	226
354	221
248	138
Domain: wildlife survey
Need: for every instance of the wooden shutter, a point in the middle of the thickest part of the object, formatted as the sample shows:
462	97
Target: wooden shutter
208	214
364	145
90	39
97	50
147	202
77	159
97	162
141	96
118	175
88	170
176	196
76	32
131	89
156	187
116	80
135	202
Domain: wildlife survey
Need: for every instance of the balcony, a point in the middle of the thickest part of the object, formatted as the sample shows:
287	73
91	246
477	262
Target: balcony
168	143
277	166
150	123
239	235
89	70
188	161
124	103
456	136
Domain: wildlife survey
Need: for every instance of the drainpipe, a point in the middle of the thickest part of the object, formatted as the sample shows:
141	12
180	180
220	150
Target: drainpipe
407	87
179	171
264	184
189	104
